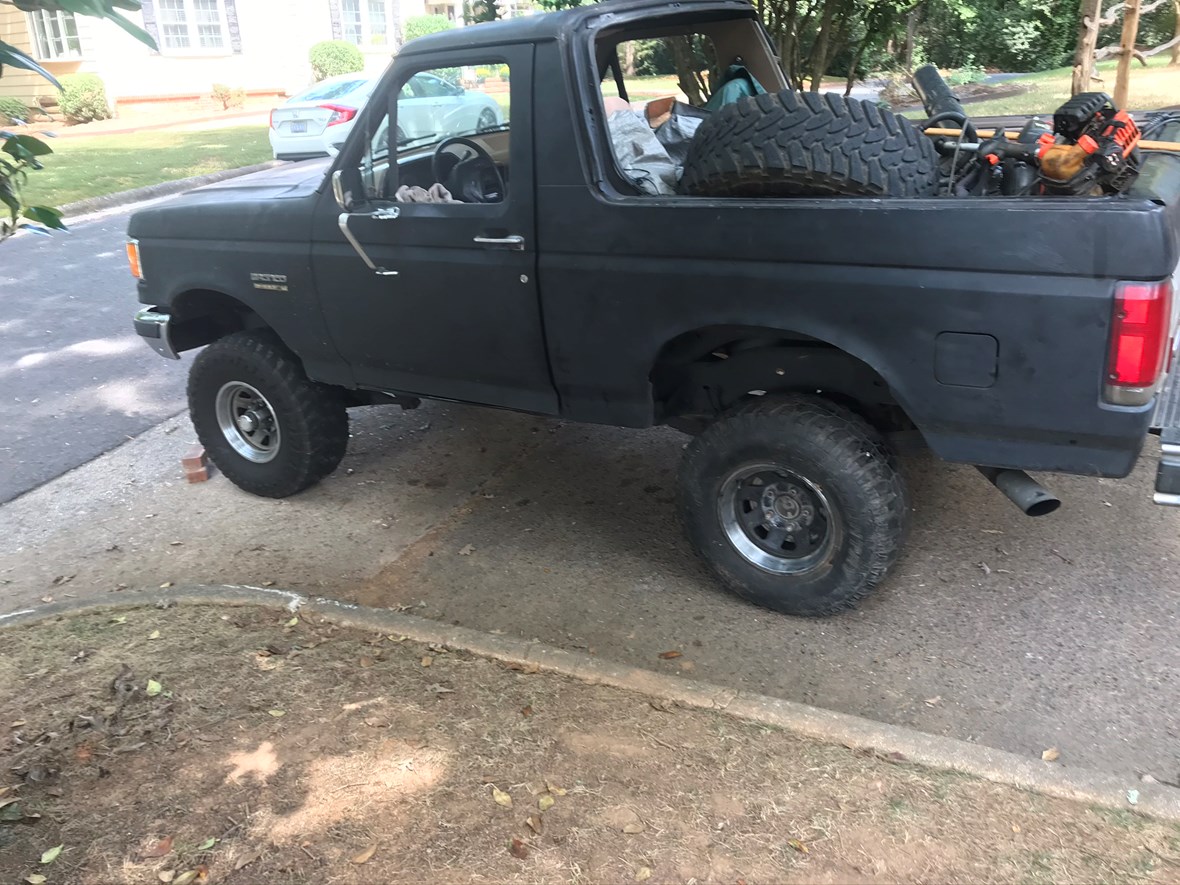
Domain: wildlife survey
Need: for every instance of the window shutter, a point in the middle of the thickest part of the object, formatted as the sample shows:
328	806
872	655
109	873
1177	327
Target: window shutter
235	31
150	25
337	27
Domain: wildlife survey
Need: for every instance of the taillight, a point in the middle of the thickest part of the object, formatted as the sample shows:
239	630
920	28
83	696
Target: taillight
340	113
271	121
1139	339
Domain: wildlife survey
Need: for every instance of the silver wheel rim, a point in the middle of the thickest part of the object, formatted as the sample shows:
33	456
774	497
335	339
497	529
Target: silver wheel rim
486	120
247	421
777	520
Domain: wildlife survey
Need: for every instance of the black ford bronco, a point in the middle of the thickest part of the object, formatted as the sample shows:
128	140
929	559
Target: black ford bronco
799	281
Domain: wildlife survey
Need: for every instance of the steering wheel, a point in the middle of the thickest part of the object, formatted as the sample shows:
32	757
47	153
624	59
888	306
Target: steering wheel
474	179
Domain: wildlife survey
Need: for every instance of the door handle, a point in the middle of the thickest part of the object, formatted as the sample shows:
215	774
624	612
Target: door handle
514	242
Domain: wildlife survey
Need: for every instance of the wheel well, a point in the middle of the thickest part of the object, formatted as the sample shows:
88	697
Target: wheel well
702	373
201	316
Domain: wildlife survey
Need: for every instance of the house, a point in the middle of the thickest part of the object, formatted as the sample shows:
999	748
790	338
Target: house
257	45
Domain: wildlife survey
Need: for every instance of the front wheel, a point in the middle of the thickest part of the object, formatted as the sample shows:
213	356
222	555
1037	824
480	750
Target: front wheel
267	427
795	503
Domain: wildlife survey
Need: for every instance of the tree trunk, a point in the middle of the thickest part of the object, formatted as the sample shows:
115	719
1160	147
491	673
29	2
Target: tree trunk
911	28
1083	60
687	77
856	56
1122	83
1176	48
629	58
819	52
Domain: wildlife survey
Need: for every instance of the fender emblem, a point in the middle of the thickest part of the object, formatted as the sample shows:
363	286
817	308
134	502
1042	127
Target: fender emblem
271	282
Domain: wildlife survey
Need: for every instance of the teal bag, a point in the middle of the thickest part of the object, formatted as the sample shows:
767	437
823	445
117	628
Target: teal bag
737	83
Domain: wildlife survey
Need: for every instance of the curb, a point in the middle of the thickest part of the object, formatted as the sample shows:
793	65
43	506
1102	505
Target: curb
897	742
163	189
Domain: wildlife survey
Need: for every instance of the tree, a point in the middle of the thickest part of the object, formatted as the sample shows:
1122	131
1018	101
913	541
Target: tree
476	11
20	153
1089	35
421	25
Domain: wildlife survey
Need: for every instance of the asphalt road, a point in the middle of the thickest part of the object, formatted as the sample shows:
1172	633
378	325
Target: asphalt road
75	379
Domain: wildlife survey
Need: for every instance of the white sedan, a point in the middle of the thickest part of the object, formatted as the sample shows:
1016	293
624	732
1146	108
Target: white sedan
311	123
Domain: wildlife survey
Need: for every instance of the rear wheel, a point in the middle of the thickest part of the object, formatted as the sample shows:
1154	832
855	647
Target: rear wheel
487	120
267	427
795	503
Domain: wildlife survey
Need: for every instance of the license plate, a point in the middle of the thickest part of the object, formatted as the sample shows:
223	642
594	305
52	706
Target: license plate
298	127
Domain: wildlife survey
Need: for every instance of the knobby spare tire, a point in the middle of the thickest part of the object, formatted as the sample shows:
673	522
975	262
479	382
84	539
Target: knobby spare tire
808	144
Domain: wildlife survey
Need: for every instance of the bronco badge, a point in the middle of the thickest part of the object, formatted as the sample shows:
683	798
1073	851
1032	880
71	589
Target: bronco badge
272	282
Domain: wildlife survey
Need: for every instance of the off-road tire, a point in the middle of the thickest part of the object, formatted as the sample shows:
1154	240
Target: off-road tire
808	144
312	418
827	445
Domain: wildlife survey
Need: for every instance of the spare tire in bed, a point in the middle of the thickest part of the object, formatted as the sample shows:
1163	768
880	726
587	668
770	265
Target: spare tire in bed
808	144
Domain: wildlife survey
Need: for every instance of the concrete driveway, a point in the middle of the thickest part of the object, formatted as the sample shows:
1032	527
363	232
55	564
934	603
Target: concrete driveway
1016	633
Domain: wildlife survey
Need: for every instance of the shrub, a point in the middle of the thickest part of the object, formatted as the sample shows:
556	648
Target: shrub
966	75
421	25
13	109
898	91
229	98
84	98
331	58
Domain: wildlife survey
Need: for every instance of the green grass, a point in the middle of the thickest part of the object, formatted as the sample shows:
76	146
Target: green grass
103	164
1155	86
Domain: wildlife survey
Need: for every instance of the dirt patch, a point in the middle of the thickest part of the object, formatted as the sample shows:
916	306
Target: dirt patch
247	745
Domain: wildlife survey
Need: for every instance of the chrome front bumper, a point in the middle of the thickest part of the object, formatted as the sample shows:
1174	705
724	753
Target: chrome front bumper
152	326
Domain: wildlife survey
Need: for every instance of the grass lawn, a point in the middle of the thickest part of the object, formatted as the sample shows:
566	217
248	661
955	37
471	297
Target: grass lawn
1155	86
103	164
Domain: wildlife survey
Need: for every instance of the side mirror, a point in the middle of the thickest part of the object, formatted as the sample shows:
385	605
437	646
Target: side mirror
346	188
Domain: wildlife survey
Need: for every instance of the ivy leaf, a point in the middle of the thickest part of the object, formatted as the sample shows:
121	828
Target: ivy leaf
47	216
51	855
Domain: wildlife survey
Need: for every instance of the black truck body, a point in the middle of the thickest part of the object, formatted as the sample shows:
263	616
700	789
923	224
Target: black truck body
983	324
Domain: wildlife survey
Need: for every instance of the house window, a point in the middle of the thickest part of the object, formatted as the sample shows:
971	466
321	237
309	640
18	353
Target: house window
192	25
55	35
365	22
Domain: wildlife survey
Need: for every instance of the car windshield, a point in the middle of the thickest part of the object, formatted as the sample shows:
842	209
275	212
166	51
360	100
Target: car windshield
328	91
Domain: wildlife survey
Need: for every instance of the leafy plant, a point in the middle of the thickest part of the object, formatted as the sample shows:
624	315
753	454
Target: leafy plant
229	98
13	110
84	98
421	25
966	75
331	58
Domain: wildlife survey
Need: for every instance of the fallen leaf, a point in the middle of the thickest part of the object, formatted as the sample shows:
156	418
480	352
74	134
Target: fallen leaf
277	714
528	669
643	874
153	688
119	619
47	599
294	622
83	753
931	702
160	849
545	802
265	662
35	879
427	660
1051	755
501	797
798	846
634	826
155	634
1015	828
165	585
186	878
10	812
166	876
526	711
246	859
669	655
17	724
466	550
366	855
207	844
51	855
554	789
366	662
518	849
534	823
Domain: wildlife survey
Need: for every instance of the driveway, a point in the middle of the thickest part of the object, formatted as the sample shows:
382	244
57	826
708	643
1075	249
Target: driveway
1016	633
75	380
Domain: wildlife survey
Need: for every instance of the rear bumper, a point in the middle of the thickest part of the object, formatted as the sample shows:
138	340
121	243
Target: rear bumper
1167	420
152	326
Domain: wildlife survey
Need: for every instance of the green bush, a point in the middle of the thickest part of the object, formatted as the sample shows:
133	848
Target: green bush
229	98
331	58
84	98
421	25
12	109
966	75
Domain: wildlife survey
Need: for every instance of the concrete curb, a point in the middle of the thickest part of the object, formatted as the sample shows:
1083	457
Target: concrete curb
163	189
1078	785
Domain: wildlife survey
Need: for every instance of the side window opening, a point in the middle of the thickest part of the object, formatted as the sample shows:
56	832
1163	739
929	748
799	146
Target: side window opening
449	141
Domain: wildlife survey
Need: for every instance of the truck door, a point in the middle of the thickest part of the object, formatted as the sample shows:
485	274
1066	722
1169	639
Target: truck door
439	298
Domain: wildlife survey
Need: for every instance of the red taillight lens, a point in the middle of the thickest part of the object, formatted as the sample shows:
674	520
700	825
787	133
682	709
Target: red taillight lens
340	113
1139	337
271	121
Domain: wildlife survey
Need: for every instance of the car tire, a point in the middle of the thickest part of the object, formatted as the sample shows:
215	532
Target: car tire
264	424
486	120
795	503
808	144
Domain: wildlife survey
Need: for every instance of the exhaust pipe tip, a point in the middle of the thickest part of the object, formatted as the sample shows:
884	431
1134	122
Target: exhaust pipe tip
1022	490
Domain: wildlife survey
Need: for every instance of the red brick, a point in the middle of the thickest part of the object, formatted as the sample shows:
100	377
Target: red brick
194	458
197	474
